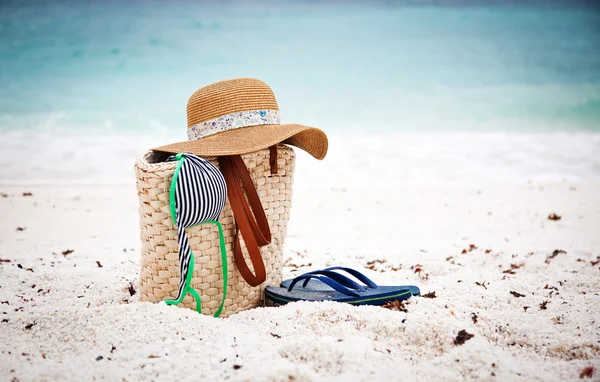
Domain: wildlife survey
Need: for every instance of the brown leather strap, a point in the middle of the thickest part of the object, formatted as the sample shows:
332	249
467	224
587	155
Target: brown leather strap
250	220
260	224
273	159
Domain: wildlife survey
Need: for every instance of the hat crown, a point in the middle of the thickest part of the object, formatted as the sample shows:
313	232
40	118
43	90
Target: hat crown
227	97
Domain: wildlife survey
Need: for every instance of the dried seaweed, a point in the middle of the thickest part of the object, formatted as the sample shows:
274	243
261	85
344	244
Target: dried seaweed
5	261
27	269
395	305
373	262
513	266
372	265
554	217
418	268
20	229
275	335
131	289
67	252
471	248
587	372
481	284
516	294
99	264
463	337
29	326
555	253
543	305
430	295
474	318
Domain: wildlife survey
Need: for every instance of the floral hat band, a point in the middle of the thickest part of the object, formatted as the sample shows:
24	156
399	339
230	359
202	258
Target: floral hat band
233	121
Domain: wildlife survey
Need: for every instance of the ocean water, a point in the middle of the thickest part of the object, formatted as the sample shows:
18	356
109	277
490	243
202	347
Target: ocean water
88	86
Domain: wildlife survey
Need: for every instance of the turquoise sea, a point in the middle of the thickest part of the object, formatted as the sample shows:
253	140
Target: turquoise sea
79	79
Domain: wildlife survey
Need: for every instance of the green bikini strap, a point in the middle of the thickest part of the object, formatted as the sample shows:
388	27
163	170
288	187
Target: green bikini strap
188	287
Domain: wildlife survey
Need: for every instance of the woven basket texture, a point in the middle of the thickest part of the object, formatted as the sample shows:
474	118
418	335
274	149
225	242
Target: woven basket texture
159	278
229	96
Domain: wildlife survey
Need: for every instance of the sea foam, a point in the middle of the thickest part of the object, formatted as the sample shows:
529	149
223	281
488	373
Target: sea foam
354	159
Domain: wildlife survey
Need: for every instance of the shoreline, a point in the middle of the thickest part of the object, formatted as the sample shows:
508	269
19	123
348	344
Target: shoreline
381	159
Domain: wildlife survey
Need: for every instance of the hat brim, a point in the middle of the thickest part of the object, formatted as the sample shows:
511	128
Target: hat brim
253	138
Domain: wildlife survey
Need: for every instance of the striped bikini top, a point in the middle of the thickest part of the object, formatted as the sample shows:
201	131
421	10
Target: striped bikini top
197	196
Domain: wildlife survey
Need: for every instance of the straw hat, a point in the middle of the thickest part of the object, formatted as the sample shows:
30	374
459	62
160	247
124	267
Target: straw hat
241	116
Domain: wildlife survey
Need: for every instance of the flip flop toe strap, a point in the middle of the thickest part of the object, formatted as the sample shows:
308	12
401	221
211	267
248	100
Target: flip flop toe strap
359	276
327	280
345	281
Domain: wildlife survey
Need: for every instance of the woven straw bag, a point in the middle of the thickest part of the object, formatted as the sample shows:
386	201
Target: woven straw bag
159	277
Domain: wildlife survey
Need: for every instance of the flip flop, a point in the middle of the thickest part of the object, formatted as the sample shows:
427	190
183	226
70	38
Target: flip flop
339	288
315	284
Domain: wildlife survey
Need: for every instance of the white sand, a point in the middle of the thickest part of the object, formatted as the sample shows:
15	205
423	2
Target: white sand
80	311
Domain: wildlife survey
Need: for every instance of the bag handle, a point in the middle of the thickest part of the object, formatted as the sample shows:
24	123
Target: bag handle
250	220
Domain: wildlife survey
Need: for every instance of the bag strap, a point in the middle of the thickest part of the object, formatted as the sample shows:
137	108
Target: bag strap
273	159
250	220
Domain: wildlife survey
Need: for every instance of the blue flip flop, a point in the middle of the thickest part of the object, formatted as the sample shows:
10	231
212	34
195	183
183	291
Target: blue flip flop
328	285
315	284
